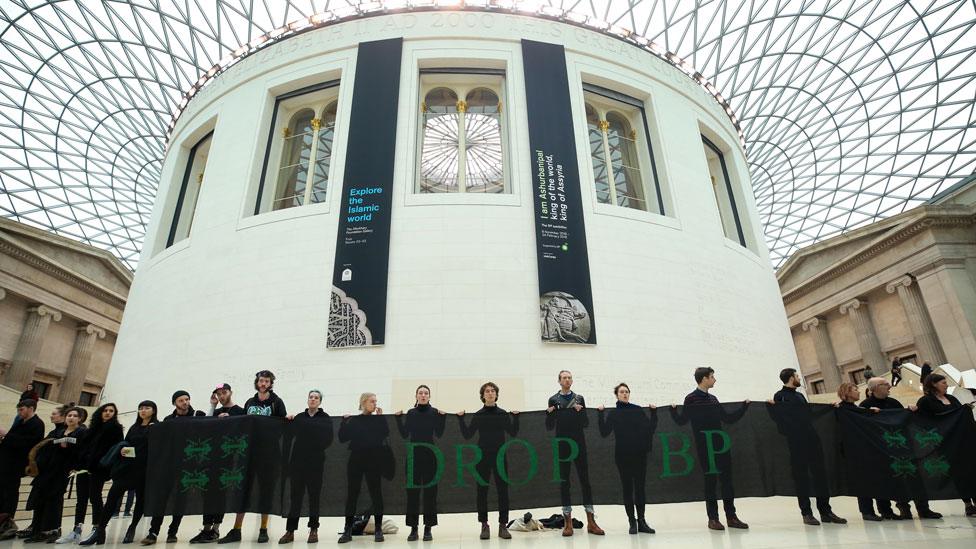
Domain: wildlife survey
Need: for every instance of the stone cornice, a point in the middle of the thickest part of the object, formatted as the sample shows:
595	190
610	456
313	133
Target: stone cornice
50	268
930	218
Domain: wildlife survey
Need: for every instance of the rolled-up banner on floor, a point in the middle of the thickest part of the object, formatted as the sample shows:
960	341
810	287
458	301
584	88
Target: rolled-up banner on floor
565	297
357	309
481	460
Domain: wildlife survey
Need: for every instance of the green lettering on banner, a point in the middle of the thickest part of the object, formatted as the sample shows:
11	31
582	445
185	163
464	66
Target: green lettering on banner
712	452
682	452
573	454
470	467
438	456
503	470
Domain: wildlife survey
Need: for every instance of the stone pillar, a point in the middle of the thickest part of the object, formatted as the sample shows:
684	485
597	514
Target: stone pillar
817	326
867	339
926	342
29	346
81	355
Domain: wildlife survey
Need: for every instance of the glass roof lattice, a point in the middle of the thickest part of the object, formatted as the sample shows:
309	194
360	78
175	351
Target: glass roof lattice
850	110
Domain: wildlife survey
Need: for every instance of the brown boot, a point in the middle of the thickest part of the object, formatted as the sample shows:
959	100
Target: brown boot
567	525
485	531
591	526
714	524
734	522
503	532
288	537
313	535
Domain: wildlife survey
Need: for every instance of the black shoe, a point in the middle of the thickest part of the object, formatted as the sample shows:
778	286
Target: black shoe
829	516
643	527
871	517
263	535
130	534
428	536
633	526
97	537
150	539
171	537
232	536
413	534
889	516
346	536
378	536
971	510
929	514
25	533
199	537
809	520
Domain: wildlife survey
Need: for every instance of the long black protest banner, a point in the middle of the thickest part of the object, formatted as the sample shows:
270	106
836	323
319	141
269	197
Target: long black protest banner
565	296
250	463
357	309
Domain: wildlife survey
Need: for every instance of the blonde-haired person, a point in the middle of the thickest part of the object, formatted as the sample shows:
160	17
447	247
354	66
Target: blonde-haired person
367	434
849	395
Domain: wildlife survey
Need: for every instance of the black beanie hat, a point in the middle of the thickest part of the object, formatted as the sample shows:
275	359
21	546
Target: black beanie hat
178	394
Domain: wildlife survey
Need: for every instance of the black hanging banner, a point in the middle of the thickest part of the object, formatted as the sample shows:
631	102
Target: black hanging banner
565	297
357	310
493	458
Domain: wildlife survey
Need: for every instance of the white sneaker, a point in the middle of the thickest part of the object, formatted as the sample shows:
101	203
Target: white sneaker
74	536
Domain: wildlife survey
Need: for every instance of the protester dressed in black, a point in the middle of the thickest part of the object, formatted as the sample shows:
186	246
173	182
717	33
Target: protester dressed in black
128	473
57	427
632	434
182	411
566	413
849	395
55	458
422	424
306	462
895	372
104	432
706	414
492	425
14	447
369	458
937	401
794	419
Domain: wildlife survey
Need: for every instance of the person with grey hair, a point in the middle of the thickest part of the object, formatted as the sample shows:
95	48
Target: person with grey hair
305	456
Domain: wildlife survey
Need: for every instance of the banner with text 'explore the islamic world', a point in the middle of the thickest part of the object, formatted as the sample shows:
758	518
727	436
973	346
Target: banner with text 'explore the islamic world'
565	296
534	460
357	308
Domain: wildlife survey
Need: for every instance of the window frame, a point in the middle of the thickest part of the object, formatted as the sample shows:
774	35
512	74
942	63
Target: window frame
645	127
728	188
184	185
498	89
275	111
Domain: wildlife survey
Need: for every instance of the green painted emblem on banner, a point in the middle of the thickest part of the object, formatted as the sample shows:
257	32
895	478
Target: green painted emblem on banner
231	478
234	446
936	466
895	439
197	450
194	480
903	467
928	438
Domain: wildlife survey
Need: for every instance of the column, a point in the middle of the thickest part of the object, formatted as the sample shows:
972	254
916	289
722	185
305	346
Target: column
29	346
926	342
81	355
867	339
817	326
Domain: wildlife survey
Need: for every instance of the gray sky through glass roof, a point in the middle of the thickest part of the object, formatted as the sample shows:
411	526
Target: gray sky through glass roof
851	111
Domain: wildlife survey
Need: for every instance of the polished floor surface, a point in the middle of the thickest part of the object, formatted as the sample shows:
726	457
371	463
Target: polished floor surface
774	523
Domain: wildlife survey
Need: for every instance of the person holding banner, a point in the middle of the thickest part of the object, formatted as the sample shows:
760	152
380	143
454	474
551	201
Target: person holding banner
491	423
632	434
935	402
128	473
423	423
225	408
794	418
369	453
306	464
707	416
849	395
264	403
567	414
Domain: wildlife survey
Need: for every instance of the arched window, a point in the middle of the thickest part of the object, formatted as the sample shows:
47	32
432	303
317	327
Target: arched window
186	200
461	142
614	122
299	149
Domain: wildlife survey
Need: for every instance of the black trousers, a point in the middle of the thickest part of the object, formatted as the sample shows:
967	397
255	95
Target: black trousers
632	469
88	490
723	462
114	500
582	466
369	466
865	505
488	469
305	479
157	523
806	464
9	492
895	379
47	513
424	469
